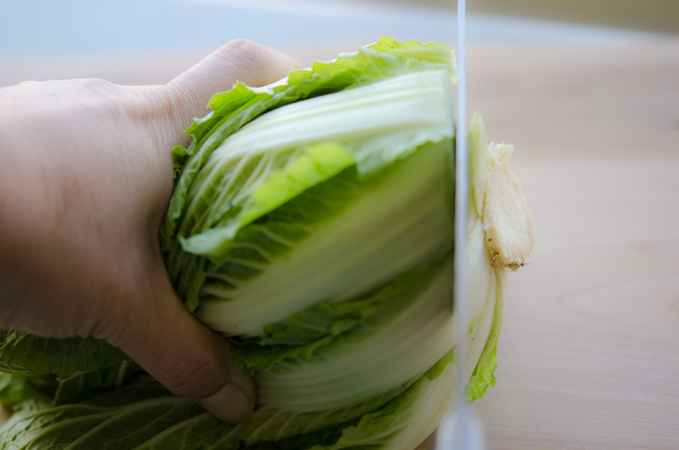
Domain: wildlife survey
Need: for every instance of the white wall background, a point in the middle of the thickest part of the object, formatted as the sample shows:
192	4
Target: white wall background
31	29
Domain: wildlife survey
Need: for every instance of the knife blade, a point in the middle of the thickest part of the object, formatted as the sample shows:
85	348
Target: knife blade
461	429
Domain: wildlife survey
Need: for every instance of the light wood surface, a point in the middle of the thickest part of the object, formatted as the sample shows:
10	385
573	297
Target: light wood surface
589	351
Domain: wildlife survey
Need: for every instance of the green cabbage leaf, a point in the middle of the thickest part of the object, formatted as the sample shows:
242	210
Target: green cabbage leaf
312	224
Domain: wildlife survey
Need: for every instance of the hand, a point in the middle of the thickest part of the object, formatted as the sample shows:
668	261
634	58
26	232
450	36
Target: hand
85	178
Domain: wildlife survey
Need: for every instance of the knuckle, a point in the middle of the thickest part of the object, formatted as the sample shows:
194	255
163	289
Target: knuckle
148	103
244	45
243	52
97	83
104	89
28	84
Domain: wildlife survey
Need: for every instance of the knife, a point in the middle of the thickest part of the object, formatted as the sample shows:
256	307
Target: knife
461	429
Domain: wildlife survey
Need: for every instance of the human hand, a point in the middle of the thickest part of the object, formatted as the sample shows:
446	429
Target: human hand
85	178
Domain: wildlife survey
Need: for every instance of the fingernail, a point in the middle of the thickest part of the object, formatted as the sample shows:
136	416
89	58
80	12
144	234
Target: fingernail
229	404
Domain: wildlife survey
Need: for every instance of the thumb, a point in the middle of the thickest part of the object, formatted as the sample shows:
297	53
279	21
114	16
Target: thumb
240	60
188	358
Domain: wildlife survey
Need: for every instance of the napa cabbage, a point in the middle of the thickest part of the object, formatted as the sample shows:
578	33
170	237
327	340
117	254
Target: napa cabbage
312	224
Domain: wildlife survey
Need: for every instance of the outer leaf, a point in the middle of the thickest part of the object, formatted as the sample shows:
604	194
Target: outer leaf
144	416
19	389
49	388
11	389
484	373
13	369
85	385
25	354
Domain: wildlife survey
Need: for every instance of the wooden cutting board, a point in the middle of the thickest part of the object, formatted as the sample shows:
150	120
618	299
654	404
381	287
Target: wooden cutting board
589	351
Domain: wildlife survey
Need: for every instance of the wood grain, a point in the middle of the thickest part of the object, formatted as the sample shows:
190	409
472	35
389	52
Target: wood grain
589	352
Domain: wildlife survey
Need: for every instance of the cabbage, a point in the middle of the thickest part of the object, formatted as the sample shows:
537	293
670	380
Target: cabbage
312	224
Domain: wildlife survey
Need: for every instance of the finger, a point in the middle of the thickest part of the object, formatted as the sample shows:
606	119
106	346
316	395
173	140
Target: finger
188	358
240	60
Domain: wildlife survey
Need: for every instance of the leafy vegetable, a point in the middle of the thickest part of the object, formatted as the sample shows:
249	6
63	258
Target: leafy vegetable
312	224
25	354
